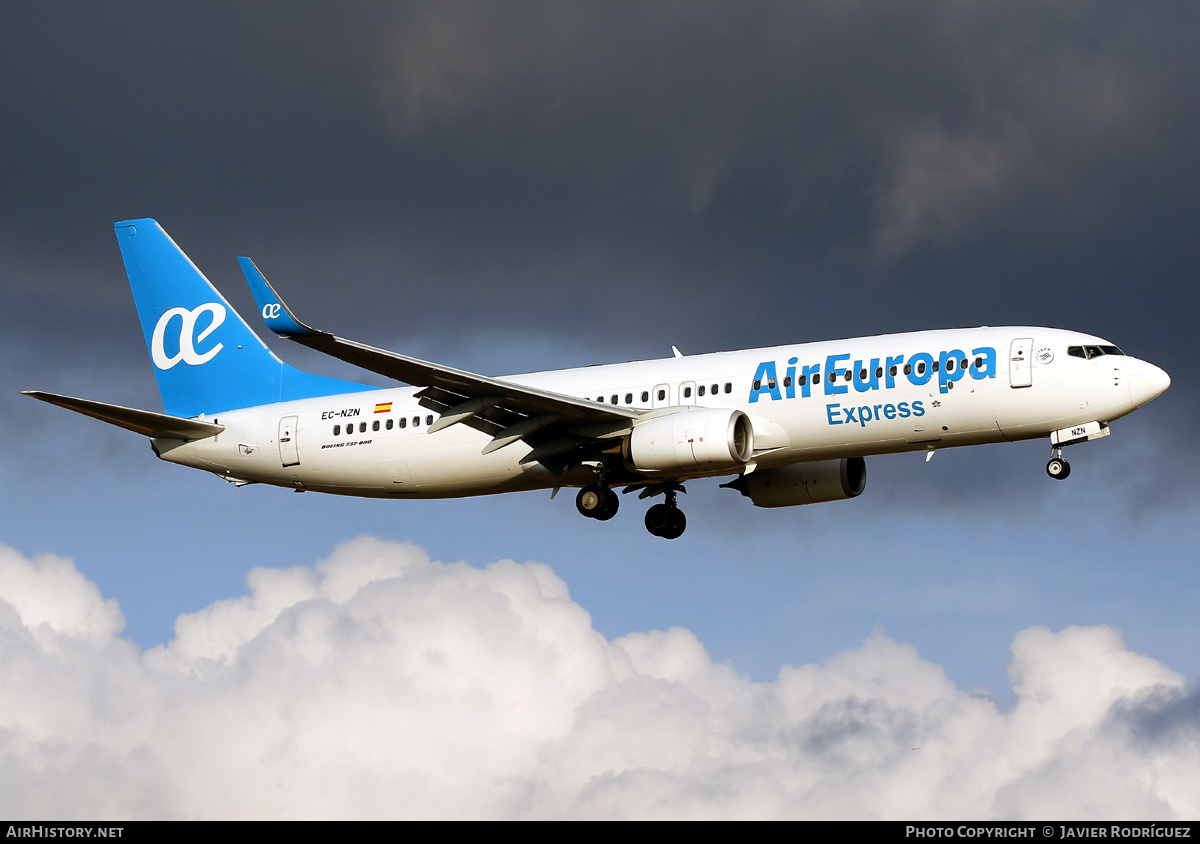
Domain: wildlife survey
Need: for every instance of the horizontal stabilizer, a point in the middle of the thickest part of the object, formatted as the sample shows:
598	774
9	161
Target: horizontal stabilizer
140	421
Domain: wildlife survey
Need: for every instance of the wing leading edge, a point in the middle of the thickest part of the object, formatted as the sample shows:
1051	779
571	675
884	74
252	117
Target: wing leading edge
554	424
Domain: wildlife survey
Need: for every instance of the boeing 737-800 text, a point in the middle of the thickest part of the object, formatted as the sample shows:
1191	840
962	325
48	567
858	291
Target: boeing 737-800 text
793	423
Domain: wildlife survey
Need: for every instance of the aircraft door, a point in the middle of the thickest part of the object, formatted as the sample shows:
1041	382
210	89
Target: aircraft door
1020	372
289	453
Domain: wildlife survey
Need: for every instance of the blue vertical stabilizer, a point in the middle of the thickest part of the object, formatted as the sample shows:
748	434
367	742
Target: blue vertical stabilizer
206	358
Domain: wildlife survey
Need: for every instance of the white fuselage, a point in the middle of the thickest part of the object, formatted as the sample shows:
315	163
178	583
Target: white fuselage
806	402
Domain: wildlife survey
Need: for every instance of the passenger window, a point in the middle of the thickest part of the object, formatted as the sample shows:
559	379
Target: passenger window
614	399
908	369
892	372
816	378
390	424
662	395
645	396
757	386
714	389
950	365
629	398
687	392
979	363
728	386
403	421
337	429
375	425
771	383
935	366
700	390
787	381
802	380
429	419
416	421
362	427
879	372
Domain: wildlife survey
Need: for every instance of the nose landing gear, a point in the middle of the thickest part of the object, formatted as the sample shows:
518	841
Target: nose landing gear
1058	468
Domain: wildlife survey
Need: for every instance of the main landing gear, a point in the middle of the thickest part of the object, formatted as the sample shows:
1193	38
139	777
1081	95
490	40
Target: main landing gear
666	519
597	501
1058	468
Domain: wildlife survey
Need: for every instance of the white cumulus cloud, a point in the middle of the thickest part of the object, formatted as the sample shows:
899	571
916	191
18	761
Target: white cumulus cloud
379	683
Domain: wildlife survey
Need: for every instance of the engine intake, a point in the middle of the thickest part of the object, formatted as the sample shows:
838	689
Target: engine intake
707	439
804	483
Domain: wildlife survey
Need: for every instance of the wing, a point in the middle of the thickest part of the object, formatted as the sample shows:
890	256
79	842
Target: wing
554	424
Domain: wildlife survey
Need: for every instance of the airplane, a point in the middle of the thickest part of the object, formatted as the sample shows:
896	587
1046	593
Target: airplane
792	423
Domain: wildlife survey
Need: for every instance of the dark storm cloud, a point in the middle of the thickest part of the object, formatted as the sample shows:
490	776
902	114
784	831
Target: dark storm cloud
622	175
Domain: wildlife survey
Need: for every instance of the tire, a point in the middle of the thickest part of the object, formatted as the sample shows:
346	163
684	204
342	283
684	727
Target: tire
590	501
1058	469
665	521
677	526
609	507
658	519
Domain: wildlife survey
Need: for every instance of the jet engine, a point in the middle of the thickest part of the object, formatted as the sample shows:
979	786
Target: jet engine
804	483
705	439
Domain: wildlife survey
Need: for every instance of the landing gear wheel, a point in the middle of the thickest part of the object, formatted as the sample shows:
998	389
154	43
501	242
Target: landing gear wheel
1058	468
597	502
677	526
657	519
665	521
609	508
590	501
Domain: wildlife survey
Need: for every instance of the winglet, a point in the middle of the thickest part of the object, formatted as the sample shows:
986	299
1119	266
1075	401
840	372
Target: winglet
275	313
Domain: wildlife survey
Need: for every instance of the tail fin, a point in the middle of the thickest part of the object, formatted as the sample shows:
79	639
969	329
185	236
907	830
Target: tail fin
206	358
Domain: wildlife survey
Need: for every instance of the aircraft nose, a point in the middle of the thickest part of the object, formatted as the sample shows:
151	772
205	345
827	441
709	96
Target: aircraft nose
1146	382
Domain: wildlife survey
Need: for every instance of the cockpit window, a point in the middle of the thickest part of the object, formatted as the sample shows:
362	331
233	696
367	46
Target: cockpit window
1089	352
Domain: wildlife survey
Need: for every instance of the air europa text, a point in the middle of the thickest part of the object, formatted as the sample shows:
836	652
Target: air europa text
880	373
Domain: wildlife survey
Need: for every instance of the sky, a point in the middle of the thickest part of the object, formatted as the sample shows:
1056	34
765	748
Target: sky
510	187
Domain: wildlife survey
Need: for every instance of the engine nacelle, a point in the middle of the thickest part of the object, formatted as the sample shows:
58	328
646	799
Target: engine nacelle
705	439
804	483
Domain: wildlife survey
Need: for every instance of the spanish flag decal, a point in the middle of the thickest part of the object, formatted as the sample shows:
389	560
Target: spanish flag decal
384	408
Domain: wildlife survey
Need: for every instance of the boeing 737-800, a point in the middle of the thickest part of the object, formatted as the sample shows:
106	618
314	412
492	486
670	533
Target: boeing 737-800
793	423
